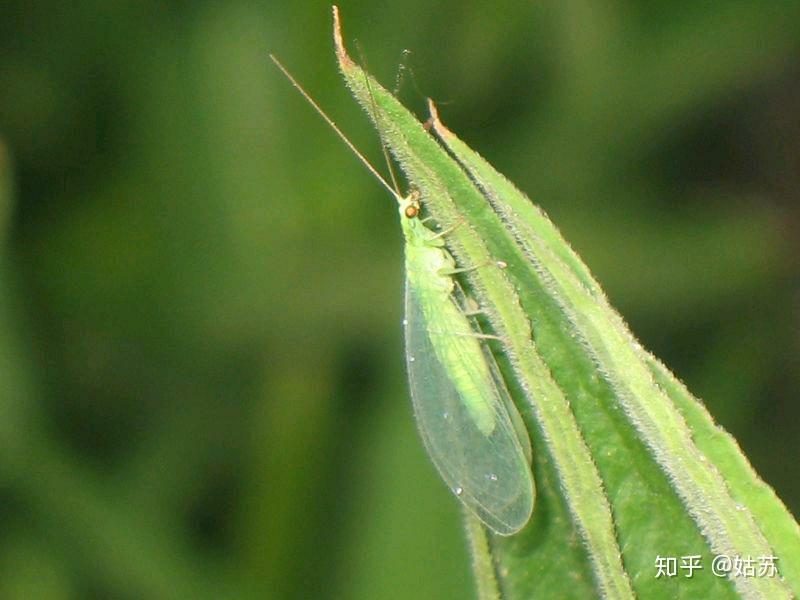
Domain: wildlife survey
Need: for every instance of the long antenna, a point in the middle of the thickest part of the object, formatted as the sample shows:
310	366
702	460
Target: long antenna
335	127
377	116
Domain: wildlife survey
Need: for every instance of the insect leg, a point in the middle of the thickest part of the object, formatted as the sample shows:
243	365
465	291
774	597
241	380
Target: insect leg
477	335
448	231
497	263
402	67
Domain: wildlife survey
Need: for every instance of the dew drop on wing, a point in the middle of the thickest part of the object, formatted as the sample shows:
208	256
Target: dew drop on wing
458	491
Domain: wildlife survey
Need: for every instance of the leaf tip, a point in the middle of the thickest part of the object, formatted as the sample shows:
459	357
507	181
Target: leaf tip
345	61
438	126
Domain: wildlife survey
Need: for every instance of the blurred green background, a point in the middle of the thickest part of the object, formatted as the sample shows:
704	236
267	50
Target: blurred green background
202	390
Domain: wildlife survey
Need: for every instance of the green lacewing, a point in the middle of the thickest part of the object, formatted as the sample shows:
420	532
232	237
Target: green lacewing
468	423
470	427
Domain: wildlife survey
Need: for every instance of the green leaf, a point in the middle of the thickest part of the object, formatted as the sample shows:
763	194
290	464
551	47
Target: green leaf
628	465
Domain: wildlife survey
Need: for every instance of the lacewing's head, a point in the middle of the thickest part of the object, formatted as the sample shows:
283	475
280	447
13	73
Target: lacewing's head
410	206
412	226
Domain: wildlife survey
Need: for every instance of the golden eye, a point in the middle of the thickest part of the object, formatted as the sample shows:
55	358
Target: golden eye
412	210
412	205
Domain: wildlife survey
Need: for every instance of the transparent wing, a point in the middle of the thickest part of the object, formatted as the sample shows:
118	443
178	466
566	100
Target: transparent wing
467	305
489	473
